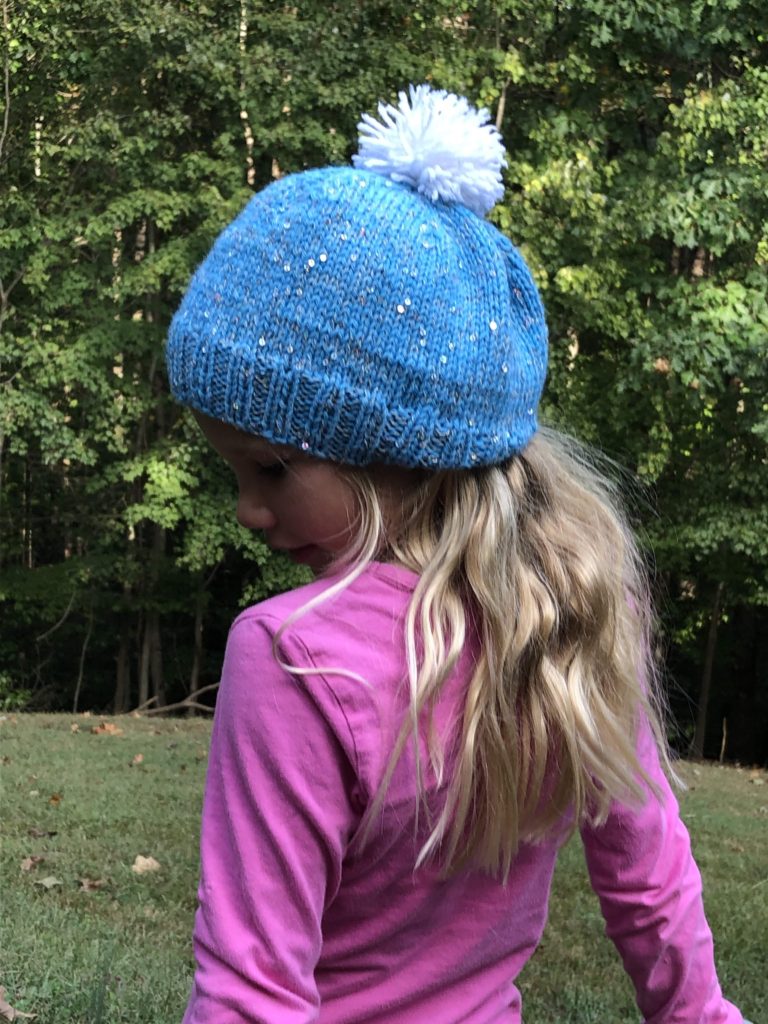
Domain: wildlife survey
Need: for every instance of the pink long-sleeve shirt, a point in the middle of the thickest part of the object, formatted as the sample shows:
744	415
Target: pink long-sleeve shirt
295	924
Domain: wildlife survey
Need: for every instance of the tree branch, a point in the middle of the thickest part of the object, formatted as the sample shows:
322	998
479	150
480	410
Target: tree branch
61	621
188	702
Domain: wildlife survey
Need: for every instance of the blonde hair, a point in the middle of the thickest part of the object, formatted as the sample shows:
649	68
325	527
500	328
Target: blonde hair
535	559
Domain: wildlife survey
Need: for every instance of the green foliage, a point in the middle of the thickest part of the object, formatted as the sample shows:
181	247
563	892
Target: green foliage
12	697
637	136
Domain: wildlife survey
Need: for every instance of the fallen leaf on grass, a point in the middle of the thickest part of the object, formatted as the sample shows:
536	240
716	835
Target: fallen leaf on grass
91	884
138	758
49	882
31	862
40	833
7	1012
34	792
144	864
5	759
106	729
74	727
54	799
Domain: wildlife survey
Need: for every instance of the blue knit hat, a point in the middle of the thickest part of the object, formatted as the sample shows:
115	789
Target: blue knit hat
369	313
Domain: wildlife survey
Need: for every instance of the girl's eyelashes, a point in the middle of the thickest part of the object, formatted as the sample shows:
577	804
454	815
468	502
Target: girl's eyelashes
273	470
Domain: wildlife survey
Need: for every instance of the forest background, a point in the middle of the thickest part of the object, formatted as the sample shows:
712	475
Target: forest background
637	188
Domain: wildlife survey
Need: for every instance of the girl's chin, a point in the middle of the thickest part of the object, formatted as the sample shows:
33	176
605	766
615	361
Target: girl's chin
309	555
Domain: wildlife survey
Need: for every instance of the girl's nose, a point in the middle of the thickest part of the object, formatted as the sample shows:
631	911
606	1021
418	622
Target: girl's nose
253	513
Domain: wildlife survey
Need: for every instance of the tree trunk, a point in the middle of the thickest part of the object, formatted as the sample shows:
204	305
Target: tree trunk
697	747
81	667
151	680
2	470
156	659
144	662
700	262
27	555
500	109
123	678
197	656
6	80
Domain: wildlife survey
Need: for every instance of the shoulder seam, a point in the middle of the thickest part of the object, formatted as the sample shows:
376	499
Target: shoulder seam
273	624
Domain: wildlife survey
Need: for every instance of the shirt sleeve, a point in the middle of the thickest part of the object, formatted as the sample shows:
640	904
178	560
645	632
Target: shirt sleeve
278	812
642	869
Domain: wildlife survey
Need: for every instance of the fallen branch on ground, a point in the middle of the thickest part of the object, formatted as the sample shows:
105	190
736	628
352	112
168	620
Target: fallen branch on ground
188	702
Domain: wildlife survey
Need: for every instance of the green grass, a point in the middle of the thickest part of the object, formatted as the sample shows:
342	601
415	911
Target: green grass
122	954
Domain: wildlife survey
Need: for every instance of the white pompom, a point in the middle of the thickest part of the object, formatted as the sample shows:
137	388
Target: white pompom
437	143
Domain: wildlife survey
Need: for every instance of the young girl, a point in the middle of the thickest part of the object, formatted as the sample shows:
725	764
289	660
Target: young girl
401	747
